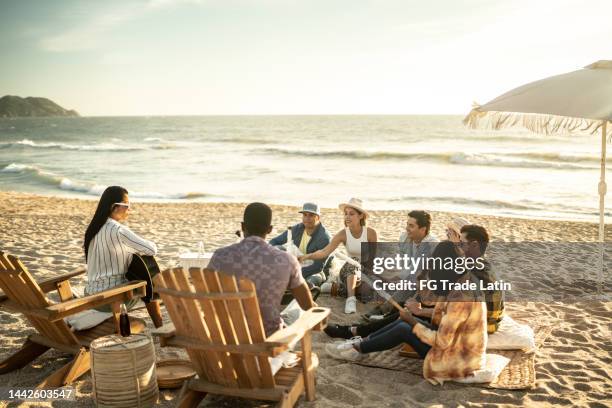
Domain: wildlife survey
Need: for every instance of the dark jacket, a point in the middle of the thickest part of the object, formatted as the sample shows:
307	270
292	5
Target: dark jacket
318	240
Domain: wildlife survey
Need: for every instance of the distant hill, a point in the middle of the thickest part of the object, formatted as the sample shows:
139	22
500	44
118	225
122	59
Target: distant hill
15	106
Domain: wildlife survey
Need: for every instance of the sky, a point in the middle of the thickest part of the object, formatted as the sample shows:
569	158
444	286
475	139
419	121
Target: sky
235	57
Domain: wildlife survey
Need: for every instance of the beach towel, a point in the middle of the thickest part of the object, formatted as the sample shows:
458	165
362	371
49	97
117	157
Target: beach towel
518	373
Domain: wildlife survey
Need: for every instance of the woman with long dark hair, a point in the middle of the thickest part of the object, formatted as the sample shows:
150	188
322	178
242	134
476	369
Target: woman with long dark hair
109	246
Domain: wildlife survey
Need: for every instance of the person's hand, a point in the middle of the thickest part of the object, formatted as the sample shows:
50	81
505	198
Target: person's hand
301	258
409	301
407	317
413	306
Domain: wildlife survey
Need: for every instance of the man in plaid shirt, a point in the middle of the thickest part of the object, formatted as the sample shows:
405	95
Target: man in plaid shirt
271	270
474	240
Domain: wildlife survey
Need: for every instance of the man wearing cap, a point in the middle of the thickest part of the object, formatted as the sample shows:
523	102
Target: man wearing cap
309	236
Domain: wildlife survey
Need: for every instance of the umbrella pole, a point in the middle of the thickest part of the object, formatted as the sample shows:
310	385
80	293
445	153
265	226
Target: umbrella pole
602	181
602	194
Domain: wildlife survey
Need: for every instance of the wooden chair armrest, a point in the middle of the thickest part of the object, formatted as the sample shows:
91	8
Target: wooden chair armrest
168	338
117	294
51	284
311	319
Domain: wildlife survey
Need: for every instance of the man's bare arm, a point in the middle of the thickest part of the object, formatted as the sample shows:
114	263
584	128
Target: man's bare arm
302	295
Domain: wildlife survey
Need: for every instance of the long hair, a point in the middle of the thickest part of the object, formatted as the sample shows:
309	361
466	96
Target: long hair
110	196
448	252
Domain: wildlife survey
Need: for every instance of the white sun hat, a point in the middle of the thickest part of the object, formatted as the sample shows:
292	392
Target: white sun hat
355	203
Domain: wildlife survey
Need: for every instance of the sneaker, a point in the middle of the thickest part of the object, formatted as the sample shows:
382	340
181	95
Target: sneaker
326	287
338	331
351	305
349	354
347	344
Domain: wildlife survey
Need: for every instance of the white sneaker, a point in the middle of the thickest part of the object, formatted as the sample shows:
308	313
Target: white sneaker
349	354
326	287
348	344
351	305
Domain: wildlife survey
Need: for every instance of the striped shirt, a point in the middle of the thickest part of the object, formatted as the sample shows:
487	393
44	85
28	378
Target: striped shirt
110	253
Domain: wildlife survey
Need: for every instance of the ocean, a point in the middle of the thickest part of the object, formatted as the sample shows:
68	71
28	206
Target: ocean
391	162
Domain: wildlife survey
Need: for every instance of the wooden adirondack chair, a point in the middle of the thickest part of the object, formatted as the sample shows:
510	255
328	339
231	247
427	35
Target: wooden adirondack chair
216	319
23	294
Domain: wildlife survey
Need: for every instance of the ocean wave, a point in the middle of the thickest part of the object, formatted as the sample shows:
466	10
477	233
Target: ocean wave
240	140
355	154
51	179
512	159
523	206
115	146
556	156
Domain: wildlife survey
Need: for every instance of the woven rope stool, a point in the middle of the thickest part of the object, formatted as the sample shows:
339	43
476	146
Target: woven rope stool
123	371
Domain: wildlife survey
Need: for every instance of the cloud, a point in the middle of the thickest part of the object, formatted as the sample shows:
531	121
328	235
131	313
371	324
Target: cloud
91	34
167	3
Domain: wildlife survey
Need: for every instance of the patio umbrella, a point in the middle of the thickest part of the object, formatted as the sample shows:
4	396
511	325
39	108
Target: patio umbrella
575	102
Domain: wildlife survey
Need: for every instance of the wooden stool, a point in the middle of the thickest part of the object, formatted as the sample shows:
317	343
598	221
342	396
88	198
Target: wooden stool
123	371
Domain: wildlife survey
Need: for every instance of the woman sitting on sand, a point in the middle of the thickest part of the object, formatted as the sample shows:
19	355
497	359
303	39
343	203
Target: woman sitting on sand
453	344
109	246
352	236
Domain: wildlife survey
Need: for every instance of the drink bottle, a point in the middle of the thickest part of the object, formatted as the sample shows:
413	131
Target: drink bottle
124	322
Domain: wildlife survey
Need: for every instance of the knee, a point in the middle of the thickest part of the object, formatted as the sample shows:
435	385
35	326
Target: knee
404	327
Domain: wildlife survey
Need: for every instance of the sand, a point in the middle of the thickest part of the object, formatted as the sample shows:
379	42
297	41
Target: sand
572	367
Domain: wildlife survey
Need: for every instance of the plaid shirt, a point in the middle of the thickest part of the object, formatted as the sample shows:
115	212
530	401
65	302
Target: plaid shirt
458	345
493	298
271	270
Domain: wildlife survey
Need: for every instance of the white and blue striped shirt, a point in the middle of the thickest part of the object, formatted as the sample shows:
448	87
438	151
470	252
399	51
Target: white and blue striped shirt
110	253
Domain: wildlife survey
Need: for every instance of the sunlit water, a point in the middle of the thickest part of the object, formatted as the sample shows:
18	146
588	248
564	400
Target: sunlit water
392	162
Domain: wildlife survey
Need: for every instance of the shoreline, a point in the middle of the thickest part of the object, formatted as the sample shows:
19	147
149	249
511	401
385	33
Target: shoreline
188	201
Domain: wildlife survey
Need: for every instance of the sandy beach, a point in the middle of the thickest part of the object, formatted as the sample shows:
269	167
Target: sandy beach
572	366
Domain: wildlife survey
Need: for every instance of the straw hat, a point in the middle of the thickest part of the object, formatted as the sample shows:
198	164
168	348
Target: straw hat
355	203
457	223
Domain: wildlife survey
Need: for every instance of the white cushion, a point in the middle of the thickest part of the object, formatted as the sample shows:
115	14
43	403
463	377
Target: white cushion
494	365
512	335
286	359
87	319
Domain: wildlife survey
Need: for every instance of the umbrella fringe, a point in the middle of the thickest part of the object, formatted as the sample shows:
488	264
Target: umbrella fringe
536	122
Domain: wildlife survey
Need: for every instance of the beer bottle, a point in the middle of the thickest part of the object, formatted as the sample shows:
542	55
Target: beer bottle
124	322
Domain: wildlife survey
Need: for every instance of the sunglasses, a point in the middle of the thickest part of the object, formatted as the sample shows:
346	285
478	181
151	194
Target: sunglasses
126	205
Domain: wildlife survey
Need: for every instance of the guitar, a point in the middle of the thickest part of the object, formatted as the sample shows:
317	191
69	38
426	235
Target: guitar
143	267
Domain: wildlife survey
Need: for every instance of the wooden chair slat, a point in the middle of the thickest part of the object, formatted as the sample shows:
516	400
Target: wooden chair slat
210	359
214	326
238	318
228	361
256	329
176	310
16	278
35	293
227	326
31	293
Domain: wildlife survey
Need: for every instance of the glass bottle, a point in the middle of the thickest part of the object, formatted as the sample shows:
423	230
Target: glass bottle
124	322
